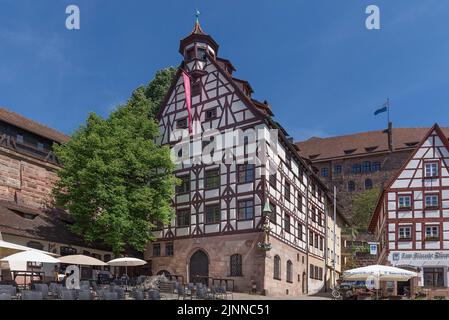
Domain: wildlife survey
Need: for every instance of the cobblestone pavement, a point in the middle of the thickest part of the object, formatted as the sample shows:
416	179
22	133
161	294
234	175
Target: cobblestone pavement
245	296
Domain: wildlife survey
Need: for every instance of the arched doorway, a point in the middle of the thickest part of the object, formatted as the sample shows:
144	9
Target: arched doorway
199	267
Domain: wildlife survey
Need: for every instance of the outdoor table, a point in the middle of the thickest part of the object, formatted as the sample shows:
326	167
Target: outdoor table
25	274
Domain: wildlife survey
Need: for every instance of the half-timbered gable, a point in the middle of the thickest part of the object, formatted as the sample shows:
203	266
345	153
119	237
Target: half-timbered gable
220	202
412	216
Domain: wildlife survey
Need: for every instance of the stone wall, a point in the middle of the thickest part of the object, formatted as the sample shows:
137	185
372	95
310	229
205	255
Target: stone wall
274	287
218	249
25	180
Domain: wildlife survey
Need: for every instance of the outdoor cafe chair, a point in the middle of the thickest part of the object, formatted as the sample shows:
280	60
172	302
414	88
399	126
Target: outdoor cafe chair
42	287
31	295
67	294
201	294
85	295
120	293
5	296
181	292
8	288
154	295
222	290
110	296
138	295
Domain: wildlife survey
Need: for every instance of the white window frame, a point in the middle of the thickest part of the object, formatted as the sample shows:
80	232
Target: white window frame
432	205
434	231
402	233
431	170
403	204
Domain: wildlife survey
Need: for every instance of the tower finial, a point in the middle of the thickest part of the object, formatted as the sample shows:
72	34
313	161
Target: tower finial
197	15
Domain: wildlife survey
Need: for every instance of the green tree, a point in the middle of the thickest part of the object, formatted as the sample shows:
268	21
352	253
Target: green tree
363	206
115	181
156	89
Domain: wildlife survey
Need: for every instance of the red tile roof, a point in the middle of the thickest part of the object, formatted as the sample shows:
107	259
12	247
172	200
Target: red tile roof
32	126
361	143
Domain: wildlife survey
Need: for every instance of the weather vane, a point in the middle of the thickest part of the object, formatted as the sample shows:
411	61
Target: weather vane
197	15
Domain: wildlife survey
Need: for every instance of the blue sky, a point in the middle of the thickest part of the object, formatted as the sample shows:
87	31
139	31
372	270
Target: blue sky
315	62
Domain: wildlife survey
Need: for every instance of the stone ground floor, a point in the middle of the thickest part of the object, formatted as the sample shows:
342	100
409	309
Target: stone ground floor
281	272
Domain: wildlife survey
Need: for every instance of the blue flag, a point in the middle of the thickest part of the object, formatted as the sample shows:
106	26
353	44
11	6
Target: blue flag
381	110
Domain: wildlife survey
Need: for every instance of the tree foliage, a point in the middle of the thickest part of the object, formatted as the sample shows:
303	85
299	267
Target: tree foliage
116	181
363	206
156	89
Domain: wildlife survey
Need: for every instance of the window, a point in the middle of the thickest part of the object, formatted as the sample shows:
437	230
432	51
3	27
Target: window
212	179
356	168
246	209
314	215
368	184
432	233
272	180
320	220
337	169
300	203
183	216
300	231
287	191
236	265
288	161
431	201
213	213
289	271
67	251
405	202
196	89
316	241
351	186
277	268
181	124
366	166
211	114
40	146
324	172
405	233
245	173
169	249
431	170
312	271
434	277
273	212
311	238
201	53
287	223
19	138
321	243
375	166
35	245
184	186
190	54
156	250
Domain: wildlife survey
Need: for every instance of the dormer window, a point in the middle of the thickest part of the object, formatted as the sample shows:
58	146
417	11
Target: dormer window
40	146
19	138
181	124
211	114
202	54
190	54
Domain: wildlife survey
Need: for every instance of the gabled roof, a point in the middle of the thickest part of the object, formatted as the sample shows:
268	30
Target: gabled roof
362	143
390	182
31	126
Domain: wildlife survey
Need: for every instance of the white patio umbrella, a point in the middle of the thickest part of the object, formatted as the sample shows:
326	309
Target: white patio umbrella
379	273
30	256
81	260
9	248
126	262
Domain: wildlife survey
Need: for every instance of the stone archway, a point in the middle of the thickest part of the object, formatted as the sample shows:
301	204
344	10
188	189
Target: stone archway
199	267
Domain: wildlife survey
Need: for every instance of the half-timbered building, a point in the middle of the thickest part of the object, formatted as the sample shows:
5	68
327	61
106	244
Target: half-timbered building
218	231
411	220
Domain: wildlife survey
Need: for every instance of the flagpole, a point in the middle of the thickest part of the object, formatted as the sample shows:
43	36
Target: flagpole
388	110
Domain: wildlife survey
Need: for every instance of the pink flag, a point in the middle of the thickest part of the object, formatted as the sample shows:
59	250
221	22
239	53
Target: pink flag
188	97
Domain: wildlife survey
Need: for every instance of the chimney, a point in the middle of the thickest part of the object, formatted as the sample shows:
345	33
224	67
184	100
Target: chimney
390	136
